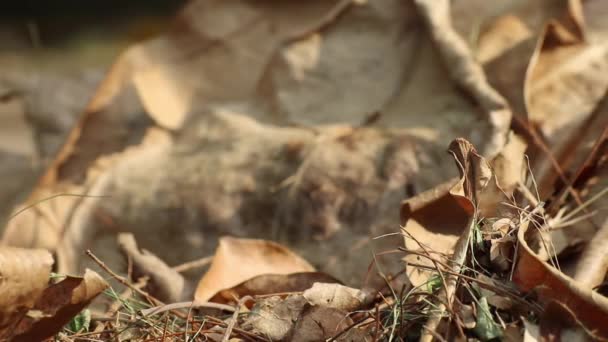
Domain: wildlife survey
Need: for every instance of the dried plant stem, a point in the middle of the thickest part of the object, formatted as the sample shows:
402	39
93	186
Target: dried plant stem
185	305
193	264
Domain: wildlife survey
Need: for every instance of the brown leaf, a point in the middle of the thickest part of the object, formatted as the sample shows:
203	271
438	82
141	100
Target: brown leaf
425	230
457	200
590	308
25	275
58	304
475	175
564	88
237	260
267	284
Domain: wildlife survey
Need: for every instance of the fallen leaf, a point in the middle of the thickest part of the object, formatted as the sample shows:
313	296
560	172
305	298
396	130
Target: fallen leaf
475	176
237	260
267	284
531	273
426	231
25	275
59	303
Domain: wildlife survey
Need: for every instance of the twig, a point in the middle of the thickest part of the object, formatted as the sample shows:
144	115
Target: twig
193	264
121	279
184	305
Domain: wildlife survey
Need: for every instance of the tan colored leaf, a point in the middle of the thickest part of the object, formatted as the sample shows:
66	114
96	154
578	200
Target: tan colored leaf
457	200
475	175
335	296
589	307
58	304
564	88
237	260
267	284
25	275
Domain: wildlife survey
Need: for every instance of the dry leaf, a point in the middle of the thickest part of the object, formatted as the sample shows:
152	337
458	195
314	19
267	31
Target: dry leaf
426	231
590	308
25	275
274	317
475	175
237	260
58	304
267	284
335	296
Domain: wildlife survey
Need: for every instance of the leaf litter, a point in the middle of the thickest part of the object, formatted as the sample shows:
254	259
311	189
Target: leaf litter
251	128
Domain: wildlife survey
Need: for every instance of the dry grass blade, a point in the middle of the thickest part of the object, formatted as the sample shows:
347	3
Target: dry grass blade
458	259
234	318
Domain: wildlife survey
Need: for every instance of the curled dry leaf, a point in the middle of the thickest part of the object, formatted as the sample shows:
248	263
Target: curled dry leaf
25	275
426	231
267	284
237	260
563	87
531	273
335	296
58	304
475	175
